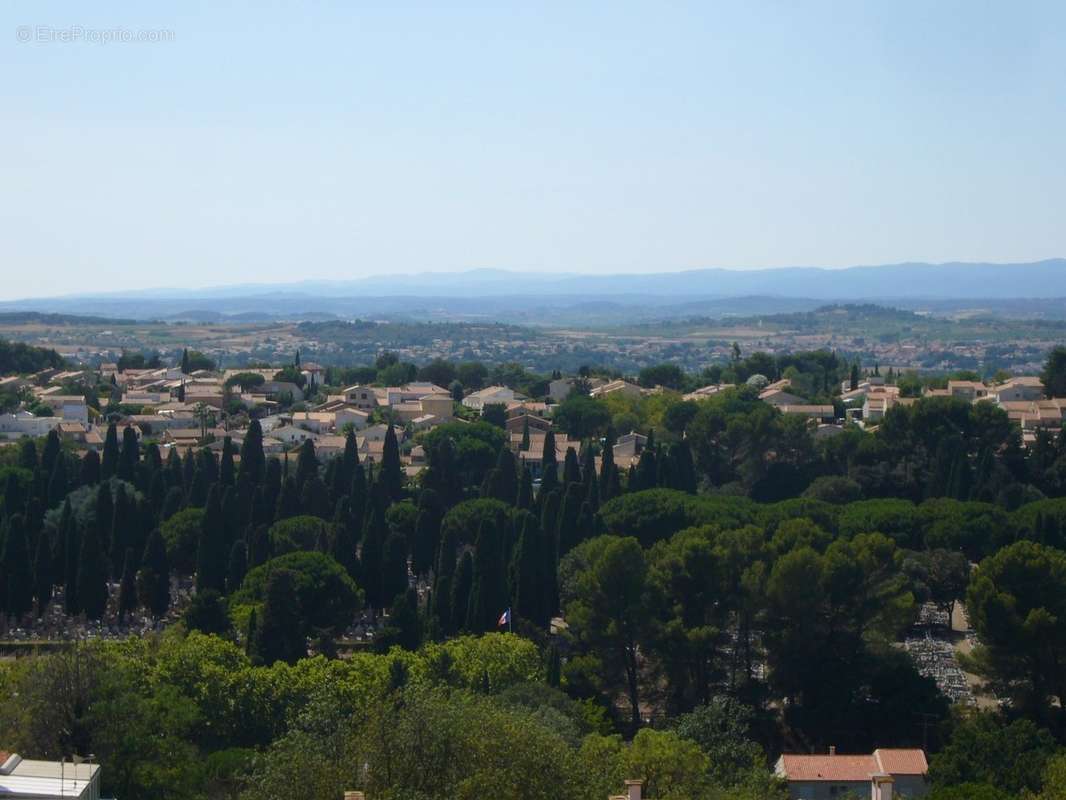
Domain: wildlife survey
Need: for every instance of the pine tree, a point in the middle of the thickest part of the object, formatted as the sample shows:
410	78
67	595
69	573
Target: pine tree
92	573
153	579
211	551
16	568
391	472
127	590
462	589
279	635
42	573
238	566
109	462
253	459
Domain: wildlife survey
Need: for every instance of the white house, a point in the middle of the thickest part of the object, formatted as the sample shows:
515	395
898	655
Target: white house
23	779
885	774
492	394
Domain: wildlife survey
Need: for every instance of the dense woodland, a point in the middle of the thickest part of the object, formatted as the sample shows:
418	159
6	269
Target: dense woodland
737	593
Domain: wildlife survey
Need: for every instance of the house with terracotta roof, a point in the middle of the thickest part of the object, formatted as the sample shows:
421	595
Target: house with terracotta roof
884	774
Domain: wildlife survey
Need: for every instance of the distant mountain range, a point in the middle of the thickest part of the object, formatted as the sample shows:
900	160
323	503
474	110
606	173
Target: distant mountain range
553	297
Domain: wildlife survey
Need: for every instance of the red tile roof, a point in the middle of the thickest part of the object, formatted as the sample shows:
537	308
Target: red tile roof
854	768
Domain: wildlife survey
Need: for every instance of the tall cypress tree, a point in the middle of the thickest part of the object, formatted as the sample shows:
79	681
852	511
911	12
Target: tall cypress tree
524	444
90	469
357	500
122	520
211	551
105	515
153	579
42	573
462	589
306	463
427	533
567	532
524	500
393	567
109	462
51	451
279	635
92	573
488	594
528	580
606	465
374	535
342	546
130	456
227	472
127	589
18	574
348	462
58	484
391	472
549	465
238	566
288	500
502	482
253	459
70	533
571	467
684	469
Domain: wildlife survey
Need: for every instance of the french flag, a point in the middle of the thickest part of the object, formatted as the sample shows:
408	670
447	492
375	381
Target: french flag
505	619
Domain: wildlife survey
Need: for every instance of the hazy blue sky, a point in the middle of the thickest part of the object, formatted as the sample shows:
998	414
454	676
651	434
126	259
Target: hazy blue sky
269	144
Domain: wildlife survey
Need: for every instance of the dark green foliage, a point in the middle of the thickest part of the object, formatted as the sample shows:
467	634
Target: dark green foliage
298	533
127	590
129	456
489	596
16	568
288	499
461	593
211	550
253	460
524	500
109	460
42	572
306	464
327	597
238	566
207	613
391	472
153	579
70	534
394	566
181	533
581	416
92	573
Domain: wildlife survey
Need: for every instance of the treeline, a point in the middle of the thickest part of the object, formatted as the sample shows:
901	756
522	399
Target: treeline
19	358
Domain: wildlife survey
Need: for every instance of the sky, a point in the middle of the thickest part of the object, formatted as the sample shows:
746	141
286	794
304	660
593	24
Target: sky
333	140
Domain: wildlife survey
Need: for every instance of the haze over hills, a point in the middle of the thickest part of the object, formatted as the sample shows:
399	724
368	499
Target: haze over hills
554	297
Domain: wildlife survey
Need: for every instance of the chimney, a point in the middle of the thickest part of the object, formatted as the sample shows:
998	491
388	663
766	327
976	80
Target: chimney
634	789
832	749
354	796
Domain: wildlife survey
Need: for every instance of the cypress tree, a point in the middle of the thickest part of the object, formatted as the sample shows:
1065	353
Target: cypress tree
105	515
211	551
348	462
567	532
503	485
684	469
14	501
16	567
371	557
253	459
524	500
130	456
152	461
172	503
606	465
185	361
427	531
109	462
188	475
555	667
288	500
647	473
259	546
127	590
231	515
314	498
250	634
405	620
58	485
153	579
571	468
90	469
227	472
391	472
51	452
549	465
69	533
394	567
592	493
279	635
524	445
92	573
198	488
462	589
28	455
42	573
306	463
238	566
488	594
444	575
527	579
342	547
121	530
357	500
